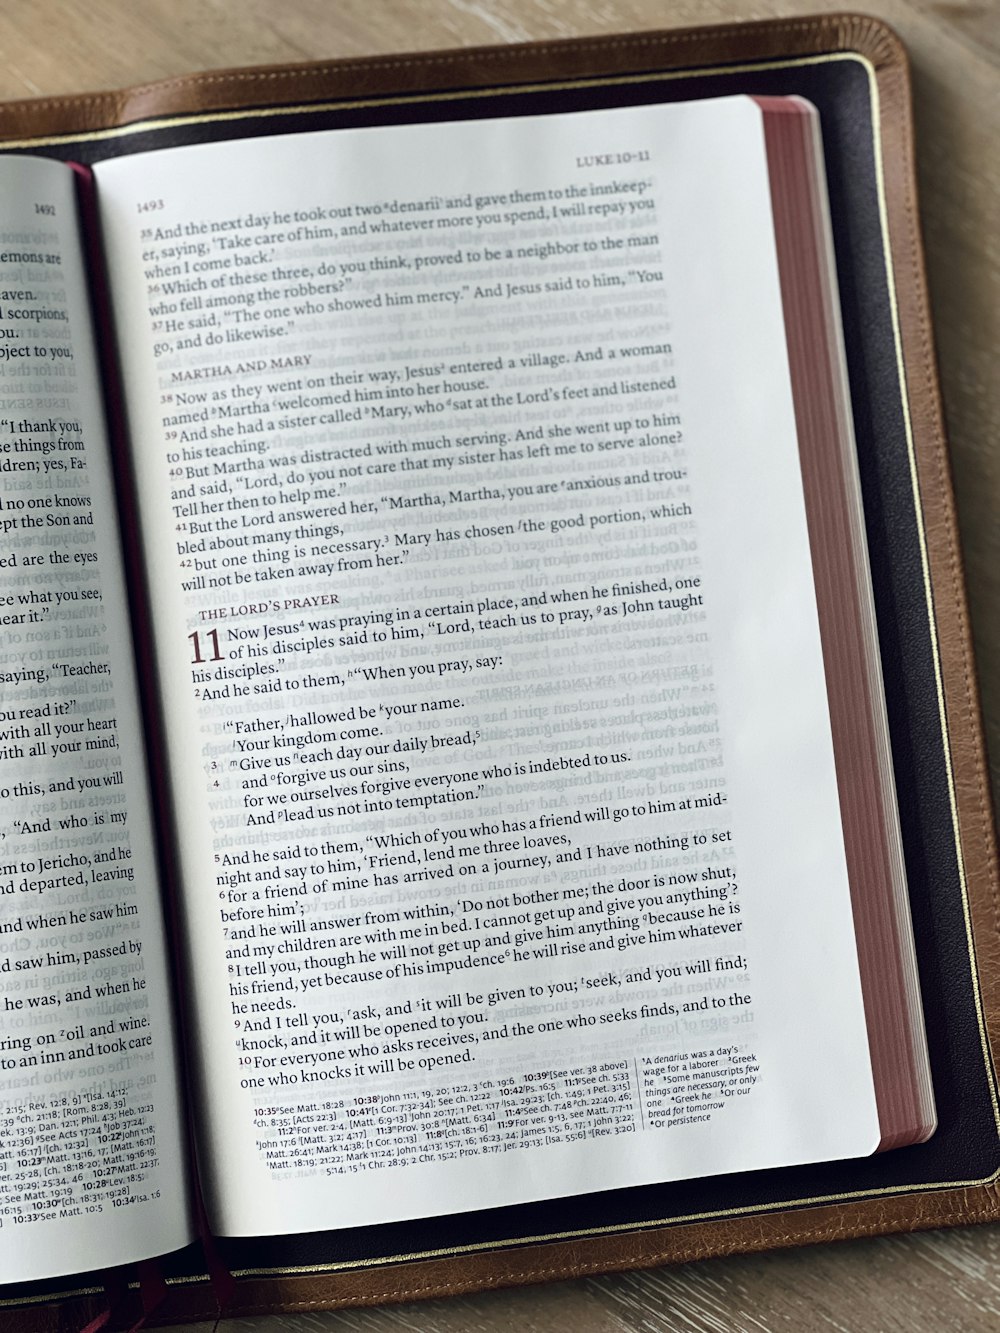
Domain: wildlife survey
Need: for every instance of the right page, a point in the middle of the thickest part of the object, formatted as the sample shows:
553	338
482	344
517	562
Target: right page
488	645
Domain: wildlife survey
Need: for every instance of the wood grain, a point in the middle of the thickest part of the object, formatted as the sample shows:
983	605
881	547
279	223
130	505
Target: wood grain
937	1281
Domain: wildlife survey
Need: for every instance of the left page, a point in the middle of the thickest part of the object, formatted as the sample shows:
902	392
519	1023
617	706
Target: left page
92	1144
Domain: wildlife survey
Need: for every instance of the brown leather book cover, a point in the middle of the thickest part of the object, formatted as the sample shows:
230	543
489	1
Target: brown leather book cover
854	70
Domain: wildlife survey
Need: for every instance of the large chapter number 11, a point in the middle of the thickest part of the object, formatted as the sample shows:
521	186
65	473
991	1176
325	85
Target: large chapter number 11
213	637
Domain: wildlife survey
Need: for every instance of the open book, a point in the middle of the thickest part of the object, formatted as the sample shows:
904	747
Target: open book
445	765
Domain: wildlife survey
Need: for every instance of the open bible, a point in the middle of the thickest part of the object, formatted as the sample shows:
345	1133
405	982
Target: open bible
445	762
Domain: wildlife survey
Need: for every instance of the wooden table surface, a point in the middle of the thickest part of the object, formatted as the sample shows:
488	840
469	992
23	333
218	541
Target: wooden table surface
948	1282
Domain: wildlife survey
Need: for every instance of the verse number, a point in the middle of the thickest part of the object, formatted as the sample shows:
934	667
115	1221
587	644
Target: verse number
149	205
213	637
